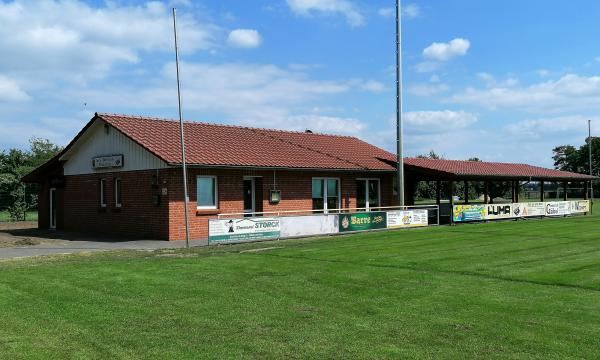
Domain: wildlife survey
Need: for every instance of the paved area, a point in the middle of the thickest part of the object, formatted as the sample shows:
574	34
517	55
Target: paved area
23	239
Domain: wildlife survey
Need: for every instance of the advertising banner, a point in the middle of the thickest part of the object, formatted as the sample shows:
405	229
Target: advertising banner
407	218
499	211
532	209
462	213
246	229
362	221
292	226
580	206
558	208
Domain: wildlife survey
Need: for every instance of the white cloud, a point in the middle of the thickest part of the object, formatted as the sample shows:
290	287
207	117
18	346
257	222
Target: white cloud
408	11
10	91
249	94
411	11
427	66
326	124
569	92
427	89
373	86
543	127
597	58
447	51
345	7
244	38
486	77
543	73
439	121
387	12
73	41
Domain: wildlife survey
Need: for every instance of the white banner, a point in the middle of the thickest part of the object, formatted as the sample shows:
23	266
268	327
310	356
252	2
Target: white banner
558	208
292	226
499	211
244	229
407	218
528	209
580	206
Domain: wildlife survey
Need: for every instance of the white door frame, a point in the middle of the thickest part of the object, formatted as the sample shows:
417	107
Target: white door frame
52	203
366	180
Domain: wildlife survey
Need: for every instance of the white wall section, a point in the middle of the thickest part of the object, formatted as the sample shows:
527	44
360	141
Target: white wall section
96	141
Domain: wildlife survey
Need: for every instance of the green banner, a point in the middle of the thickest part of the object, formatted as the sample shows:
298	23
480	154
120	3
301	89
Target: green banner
362	221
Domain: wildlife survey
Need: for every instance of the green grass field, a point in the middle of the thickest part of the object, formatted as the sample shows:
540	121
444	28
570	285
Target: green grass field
31	216
526	289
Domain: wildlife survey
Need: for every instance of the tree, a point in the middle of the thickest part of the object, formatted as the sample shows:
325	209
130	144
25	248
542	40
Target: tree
16	196
569	158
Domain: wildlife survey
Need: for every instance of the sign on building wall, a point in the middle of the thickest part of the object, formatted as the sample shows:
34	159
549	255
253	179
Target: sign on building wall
464	213
292	226
246	229
407	218
107	162
362	221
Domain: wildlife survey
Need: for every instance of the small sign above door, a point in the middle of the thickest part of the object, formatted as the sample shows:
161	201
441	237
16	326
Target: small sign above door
107	162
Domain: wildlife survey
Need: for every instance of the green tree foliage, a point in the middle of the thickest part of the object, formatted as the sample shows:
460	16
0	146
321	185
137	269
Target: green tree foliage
569	158
15	196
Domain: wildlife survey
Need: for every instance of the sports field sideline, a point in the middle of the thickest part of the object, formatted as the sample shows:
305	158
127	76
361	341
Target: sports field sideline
517	289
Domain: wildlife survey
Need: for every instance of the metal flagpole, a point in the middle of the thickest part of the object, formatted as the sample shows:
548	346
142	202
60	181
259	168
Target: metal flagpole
185	188
591	173
399	145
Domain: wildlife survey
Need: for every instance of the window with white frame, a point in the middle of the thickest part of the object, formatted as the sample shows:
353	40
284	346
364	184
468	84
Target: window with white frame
118	193
368	193
325	194
206	192
102	193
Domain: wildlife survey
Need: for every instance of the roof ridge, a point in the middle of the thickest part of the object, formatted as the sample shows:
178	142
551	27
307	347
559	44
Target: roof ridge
311	149
193	122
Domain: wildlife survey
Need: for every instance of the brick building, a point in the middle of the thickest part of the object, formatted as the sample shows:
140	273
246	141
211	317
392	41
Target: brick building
121	175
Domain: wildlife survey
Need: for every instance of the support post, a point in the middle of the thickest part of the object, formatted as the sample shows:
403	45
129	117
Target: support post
586	189
486	192
513	190
542	192
451	198
438	192
466	191
565	186
517	188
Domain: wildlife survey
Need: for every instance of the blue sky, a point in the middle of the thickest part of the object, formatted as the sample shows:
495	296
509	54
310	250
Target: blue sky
500	80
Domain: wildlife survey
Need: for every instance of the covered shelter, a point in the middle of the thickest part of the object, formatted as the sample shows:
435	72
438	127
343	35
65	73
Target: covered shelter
447	173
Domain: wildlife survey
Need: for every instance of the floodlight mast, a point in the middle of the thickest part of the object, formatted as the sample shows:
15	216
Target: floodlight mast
399	134
183	164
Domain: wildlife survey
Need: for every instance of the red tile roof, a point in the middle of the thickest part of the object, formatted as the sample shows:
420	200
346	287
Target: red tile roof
225	145
491	169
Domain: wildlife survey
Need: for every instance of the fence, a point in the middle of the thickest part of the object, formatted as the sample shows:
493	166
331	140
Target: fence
242	227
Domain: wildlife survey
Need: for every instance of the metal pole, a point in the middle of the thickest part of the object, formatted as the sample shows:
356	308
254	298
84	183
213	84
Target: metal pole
591	173
185	188
399	145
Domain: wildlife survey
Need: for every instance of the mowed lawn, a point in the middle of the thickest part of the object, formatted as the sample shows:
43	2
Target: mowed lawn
526	289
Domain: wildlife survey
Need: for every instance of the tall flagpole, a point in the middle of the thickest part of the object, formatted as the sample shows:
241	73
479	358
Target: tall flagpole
590	148
399	134
185	187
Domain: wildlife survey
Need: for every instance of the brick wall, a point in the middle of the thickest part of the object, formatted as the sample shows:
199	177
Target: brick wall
138	217
295	186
